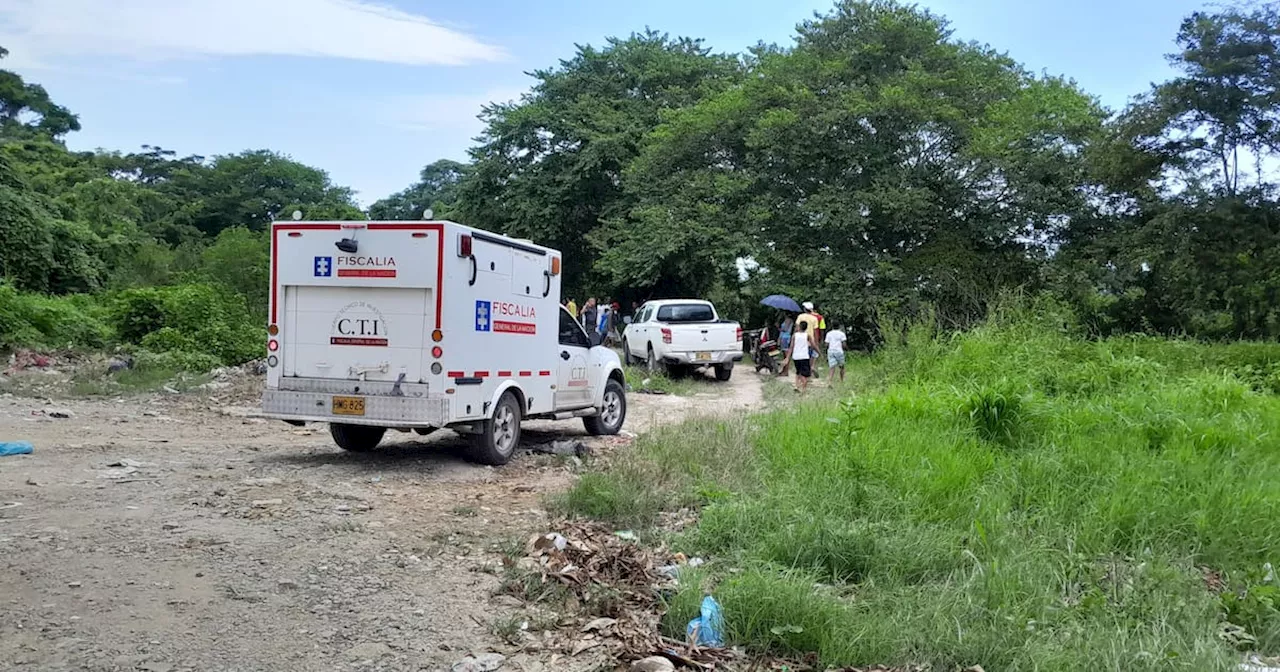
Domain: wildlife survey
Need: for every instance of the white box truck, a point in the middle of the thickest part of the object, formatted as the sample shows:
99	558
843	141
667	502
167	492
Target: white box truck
416	326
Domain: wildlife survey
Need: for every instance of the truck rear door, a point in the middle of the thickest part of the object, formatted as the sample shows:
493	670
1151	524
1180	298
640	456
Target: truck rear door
696	328
363	315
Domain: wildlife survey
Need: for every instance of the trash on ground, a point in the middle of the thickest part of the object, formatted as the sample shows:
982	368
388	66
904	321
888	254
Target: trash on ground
16	448
708	628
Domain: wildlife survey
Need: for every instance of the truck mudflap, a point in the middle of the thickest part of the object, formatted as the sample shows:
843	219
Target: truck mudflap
373	409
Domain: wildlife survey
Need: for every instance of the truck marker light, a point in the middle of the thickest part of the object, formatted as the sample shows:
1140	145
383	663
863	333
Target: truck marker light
419	235
437	352
295	234
464	245
437	335
273	345
555	265
273	330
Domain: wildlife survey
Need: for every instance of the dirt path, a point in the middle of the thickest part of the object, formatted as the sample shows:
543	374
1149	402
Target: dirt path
226	543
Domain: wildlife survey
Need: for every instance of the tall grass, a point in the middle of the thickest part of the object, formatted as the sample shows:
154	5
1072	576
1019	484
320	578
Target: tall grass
1011	497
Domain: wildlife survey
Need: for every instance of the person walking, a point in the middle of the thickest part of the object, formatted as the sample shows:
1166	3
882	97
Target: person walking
784	340
588	315
811	323
800	356
572	307
835	351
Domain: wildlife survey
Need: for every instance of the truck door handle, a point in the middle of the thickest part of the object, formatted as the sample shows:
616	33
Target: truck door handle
564	354
547	275
474	268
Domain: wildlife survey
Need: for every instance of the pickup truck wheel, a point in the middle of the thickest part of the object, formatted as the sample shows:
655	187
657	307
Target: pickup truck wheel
724	372
356	438
627	359
500	436
613	411
655	365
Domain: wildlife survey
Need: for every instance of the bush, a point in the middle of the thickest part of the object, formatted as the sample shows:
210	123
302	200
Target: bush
189	319
36	321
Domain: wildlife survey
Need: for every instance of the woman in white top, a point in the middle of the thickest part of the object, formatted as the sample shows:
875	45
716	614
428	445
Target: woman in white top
800	356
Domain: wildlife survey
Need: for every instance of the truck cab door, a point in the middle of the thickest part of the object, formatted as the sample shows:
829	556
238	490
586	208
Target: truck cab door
573	384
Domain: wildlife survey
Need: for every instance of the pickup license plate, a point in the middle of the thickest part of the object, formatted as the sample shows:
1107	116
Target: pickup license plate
348	405
703	356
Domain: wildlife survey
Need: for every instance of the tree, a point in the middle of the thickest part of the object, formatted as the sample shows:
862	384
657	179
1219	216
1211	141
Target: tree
436	189
251	188
877	163
550	167
26	110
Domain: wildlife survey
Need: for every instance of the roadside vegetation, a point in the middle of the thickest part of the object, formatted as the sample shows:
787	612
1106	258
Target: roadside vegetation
1013	497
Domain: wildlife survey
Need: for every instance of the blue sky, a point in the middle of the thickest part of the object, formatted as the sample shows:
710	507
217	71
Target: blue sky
371	92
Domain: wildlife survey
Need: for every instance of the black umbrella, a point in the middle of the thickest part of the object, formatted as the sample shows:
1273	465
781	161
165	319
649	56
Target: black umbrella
781	303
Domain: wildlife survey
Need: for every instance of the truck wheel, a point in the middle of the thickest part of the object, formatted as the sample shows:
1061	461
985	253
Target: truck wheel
654	364
497	441
356	438
627	359
723	372
612	412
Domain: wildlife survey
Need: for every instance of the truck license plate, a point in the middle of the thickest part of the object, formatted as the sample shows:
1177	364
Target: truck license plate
348	405
703	356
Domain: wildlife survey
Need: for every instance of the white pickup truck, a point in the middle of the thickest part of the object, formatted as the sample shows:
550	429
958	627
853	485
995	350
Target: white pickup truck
675	335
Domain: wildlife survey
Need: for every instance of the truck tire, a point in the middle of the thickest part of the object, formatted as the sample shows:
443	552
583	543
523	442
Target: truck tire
613	411
724	372
356	438
627	359
500	435
655	365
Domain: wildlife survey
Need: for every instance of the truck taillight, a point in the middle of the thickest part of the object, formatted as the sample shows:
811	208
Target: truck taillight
464	245
666	336
739	337
273	345
437	352
273	330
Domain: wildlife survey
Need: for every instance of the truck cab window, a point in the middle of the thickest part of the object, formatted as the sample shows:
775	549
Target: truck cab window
570	332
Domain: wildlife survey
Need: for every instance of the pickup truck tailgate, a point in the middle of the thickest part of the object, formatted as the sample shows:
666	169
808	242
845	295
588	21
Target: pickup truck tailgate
714	336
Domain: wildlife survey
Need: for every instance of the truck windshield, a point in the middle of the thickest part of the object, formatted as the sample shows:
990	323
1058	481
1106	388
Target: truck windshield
686	312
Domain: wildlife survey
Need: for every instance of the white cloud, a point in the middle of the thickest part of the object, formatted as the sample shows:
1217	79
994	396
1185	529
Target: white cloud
40	32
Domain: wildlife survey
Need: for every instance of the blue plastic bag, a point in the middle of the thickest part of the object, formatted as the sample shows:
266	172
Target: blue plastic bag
15	448
708	628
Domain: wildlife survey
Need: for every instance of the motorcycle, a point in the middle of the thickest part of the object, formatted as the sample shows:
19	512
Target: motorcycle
765	352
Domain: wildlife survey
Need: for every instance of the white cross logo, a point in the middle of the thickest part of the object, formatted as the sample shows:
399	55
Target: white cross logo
323	266
482	317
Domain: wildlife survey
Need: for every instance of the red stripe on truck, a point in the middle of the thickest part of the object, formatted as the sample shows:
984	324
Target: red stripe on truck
481	374
526	374
456	374
504	374
544	373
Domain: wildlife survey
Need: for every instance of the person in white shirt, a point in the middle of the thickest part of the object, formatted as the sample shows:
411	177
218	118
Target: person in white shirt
800	356
835	350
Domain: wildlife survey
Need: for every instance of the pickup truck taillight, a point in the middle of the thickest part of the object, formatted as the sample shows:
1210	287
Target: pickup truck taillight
739	337
666	336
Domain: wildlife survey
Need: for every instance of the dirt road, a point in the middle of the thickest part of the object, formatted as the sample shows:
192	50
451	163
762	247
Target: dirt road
167	533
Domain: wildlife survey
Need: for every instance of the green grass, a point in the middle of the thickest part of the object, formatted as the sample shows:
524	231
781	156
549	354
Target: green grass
1012	497
638	377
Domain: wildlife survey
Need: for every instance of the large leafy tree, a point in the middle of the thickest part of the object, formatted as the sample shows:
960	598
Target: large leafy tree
436	190
878	162
551	166
1187	241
